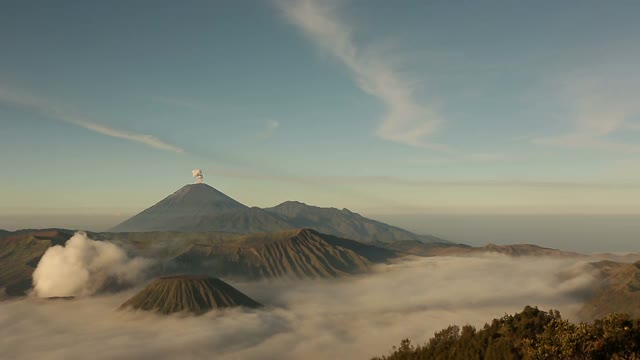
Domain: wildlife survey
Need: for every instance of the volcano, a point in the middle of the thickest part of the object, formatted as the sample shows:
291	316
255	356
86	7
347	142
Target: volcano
200	207
291	254
194	294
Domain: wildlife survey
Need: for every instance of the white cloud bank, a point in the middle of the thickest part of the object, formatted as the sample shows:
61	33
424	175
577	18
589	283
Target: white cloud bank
407	121
84	267
353	318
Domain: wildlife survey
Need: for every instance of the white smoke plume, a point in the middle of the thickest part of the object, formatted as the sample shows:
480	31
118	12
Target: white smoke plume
197	173
84	267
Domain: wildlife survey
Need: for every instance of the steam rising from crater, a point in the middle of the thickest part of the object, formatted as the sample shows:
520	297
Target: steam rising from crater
197	173
84	267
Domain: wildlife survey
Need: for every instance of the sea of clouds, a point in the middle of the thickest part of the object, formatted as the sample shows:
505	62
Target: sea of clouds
355	318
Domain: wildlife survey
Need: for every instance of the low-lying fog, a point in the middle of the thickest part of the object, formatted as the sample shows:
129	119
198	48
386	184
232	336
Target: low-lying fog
353	318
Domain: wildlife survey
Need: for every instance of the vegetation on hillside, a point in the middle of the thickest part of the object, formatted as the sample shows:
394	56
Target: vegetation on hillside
530	335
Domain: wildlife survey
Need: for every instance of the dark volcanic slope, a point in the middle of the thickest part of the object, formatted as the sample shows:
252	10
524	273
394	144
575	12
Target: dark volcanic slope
244	221
344	223
294	254
195	294
183	209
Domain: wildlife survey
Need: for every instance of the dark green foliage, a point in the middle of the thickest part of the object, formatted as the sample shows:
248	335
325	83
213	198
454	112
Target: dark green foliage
616	336
530	335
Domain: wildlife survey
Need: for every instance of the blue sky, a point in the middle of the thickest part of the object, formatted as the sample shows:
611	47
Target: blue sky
377	106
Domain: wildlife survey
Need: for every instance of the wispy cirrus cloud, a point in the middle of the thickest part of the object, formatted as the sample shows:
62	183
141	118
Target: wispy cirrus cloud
269	127
602	103
407	121
61	113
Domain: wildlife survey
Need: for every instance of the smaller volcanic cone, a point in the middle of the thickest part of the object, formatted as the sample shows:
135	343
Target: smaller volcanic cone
195	294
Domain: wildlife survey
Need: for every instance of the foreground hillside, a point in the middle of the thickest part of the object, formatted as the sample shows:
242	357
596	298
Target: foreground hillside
531	335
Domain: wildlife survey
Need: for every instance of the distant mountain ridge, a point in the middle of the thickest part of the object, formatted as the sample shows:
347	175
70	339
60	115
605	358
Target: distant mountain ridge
344	223
300	253
201	208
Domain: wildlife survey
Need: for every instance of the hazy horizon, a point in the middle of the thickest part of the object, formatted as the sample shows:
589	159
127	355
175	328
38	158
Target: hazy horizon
585	233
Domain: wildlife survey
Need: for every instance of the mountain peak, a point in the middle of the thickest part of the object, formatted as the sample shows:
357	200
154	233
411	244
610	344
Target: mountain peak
185	208
306	231
203	192
200	207
293	204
